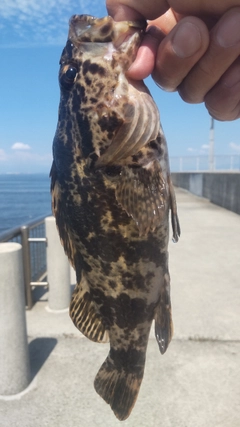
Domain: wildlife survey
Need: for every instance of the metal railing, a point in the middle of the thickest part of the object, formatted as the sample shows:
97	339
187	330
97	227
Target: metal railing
203	164
32	237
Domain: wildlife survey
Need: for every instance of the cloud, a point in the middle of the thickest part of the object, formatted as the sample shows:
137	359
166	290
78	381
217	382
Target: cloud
28	157
235	147
33	22
199	151
31	9
24	161
20	146
3	156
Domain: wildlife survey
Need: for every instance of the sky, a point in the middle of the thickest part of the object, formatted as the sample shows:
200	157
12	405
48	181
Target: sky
32	36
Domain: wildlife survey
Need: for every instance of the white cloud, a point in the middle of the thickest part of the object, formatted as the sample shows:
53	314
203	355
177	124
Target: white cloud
235	147
203	150
24	161
45	22
20	146
32	158
3	156
31	8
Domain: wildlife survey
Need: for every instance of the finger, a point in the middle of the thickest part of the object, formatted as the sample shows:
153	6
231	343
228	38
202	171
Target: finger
223	50
179	52
136	9
144	63
197	7
223	101
166	22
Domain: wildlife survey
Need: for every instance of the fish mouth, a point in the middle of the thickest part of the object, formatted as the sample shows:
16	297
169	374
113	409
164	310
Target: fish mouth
87	28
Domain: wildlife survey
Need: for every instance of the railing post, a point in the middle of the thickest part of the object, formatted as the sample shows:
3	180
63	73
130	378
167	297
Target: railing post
197	163
14	356
26	265
180	164
58	268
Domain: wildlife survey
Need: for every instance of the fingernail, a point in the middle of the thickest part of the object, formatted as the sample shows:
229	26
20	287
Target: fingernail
228	32
187	40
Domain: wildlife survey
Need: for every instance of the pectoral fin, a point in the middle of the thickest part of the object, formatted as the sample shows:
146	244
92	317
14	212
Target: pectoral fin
142	194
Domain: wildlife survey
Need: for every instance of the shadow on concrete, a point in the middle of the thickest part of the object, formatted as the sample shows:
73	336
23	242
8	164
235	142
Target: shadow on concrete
39	350
39	293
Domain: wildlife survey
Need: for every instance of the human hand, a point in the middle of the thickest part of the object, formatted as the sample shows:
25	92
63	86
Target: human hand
192	47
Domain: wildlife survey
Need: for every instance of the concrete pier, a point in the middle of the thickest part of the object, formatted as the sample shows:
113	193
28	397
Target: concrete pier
58	268
194	384
14	357
220	188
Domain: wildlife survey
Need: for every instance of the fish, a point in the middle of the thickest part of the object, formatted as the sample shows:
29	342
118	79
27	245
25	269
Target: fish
112	196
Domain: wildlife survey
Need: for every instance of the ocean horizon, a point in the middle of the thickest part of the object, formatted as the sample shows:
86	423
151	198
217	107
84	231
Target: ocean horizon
23	198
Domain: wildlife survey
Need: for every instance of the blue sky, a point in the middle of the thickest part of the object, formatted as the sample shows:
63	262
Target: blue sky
32	36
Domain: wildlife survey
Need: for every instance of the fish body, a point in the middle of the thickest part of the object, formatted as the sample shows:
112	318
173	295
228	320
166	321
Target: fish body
111	196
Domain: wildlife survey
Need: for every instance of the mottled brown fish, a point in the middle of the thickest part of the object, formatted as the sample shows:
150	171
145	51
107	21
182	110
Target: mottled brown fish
111	194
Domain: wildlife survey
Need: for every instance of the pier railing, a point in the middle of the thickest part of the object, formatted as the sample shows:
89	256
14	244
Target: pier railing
32	237
202	163
30	256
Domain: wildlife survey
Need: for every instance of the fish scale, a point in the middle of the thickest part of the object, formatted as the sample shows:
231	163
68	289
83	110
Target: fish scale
111	196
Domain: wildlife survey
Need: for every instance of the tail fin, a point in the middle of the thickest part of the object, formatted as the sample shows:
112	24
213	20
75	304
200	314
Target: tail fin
118	380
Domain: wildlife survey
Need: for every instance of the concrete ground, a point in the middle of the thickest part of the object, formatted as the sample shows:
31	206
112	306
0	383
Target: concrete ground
195	384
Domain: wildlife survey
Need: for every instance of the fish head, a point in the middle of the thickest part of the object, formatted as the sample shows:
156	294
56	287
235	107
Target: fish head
112	44
104	36
94	99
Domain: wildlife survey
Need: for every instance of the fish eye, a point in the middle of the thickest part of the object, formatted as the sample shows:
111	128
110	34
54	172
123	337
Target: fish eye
68	77
71	73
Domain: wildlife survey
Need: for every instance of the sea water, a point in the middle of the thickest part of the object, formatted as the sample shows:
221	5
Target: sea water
23	198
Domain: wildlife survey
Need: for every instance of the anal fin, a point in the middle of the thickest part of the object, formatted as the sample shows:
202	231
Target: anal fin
83	312
163	317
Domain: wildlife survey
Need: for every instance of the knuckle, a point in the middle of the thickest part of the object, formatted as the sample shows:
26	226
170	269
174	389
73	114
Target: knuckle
223	114
190	94
223	102
164	82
